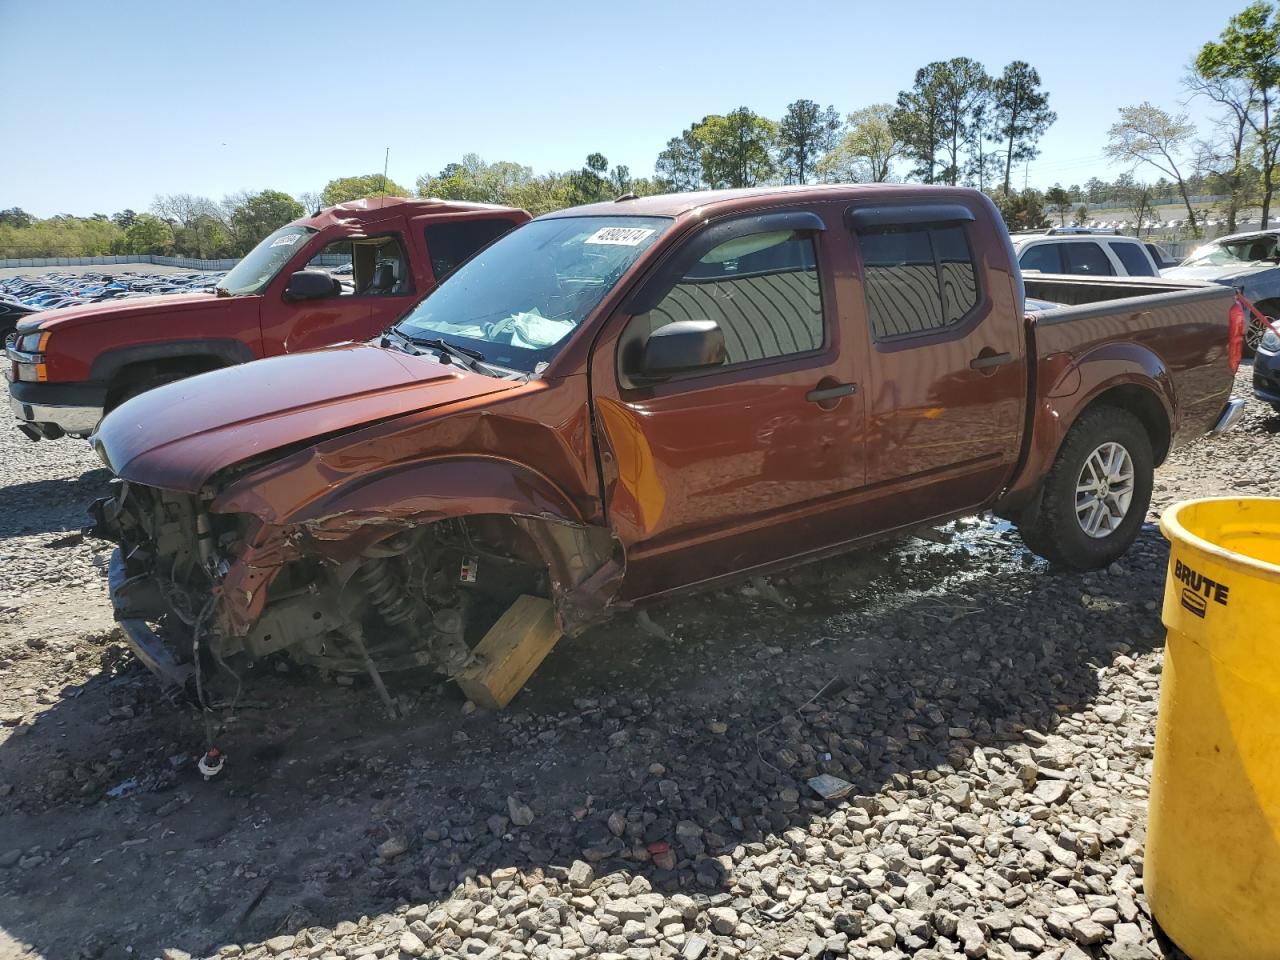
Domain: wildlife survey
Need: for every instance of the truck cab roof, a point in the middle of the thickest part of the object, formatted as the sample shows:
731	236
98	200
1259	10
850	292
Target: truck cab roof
678	204
378	208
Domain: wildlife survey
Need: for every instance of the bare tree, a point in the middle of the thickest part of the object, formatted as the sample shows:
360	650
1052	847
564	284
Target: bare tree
1226	154
1147	134
310	200
226	216
185	209
1248	52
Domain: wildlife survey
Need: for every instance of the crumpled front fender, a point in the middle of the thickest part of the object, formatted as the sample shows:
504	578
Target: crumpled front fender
436	489
346	519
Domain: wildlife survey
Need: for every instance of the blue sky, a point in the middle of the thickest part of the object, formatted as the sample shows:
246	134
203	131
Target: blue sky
108	104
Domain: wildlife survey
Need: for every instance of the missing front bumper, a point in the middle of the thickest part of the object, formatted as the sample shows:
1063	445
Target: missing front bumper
143	641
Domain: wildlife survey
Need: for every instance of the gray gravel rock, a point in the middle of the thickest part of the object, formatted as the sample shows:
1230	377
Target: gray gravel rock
996	731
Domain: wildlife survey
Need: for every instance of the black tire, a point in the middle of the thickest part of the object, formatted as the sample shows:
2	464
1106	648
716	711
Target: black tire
1054	530
131	389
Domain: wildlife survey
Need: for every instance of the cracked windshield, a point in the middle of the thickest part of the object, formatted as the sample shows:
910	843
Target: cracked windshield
518	300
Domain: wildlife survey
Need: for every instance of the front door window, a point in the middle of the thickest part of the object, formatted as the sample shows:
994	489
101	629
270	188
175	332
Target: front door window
366	266
742	463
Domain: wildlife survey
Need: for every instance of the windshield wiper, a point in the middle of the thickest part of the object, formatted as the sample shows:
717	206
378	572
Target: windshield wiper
467	358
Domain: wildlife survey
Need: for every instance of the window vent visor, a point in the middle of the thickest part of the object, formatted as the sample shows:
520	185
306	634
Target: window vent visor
877	218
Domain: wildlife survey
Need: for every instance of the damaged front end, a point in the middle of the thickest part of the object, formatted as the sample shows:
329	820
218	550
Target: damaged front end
223	588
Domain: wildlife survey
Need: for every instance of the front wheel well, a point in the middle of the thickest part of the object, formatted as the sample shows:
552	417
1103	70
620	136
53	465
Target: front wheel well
135	377
1146	406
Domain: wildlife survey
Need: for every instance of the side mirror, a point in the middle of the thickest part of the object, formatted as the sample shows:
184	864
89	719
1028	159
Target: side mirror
680	347
311	285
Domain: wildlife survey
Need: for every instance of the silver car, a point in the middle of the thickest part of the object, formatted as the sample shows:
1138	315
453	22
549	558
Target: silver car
1250	262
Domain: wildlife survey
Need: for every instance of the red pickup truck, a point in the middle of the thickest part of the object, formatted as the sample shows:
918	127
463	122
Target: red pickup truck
620	402
345	273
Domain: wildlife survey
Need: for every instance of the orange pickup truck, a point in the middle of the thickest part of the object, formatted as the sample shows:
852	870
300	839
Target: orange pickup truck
619	402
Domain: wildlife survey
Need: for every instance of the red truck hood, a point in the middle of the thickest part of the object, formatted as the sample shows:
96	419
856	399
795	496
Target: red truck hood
131	307
178	435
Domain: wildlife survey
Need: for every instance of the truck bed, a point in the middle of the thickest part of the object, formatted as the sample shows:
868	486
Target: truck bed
1173	333
1075	290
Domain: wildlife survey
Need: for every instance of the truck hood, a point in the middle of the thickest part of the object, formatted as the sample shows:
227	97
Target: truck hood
177	436
66	317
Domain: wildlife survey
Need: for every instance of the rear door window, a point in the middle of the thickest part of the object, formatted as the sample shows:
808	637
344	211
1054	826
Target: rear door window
958	273
918	279
1134	258
1087	259
1045	257
448	244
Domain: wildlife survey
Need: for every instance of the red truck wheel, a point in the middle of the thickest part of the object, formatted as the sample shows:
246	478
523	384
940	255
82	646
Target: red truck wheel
131	389
1096	494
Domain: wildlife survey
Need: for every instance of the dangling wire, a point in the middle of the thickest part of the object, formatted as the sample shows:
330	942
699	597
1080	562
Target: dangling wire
195	655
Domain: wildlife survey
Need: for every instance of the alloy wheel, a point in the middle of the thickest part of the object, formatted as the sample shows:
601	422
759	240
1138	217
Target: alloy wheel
1254	331
1104	490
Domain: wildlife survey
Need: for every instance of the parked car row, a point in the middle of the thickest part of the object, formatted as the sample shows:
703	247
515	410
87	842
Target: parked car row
602	407
23	295
1174	224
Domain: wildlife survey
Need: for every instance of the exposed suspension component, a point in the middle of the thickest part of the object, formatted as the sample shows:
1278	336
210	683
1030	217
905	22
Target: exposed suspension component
385	591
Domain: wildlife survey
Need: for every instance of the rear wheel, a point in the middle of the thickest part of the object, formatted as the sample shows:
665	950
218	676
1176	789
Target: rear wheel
1096	494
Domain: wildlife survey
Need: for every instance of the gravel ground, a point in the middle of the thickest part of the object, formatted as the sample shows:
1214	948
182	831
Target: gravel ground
643	797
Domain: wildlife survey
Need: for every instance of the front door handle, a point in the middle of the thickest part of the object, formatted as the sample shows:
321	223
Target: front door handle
985	360
822	394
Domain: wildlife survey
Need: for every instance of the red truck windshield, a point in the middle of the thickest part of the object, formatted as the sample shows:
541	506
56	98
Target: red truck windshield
517	300
265	260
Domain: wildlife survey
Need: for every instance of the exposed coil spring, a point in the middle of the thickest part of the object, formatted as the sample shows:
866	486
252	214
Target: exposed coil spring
385	591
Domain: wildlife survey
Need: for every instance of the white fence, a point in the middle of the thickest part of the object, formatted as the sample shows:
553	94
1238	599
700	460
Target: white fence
187	263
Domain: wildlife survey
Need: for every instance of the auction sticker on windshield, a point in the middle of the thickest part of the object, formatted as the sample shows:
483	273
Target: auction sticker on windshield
620	236
288	240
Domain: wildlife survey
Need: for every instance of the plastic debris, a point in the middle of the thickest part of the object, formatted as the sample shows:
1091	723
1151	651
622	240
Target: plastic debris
829	787
211	763
123	789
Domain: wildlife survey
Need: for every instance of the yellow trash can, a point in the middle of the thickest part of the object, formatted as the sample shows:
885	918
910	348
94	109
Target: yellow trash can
1212	866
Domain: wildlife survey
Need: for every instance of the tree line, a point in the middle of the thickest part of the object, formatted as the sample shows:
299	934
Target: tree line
956	124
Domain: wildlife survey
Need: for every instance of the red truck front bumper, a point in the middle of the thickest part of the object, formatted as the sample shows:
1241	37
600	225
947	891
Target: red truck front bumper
46	411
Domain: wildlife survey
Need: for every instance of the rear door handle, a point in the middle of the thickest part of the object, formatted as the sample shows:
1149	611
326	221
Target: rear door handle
990	360
831	393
